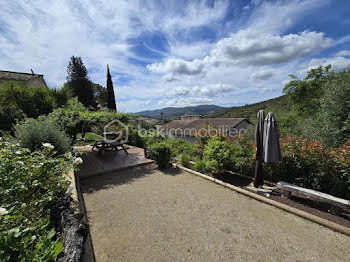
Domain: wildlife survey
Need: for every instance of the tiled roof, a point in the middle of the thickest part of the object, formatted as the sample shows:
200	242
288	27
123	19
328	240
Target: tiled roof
7	75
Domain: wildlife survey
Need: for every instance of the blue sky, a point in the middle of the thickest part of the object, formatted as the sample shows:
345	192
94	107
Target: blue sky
177	53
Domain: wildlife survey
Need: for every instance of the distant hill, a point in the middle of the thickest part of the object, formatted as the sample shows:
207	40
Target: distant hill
277	105
175	112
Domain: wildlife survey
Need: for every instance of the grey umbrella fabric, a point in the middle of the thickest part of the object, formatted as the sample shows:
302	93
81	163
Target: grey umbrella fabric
259	156
271	144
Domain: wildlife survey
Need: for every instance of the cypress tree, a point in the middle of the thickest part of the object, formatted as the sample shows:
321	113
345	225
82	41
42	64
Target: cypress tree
111	98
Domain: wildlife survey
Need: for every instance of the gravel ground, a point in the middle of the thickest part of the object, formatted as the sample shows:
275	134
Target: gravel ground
149	215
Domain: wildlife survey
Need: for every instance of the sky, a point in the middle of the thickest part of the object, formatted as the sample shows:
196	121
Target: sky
177	53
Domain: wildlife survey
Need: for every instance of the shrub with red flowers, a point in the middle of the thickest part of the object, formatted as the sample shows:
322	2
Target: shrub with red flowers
309	164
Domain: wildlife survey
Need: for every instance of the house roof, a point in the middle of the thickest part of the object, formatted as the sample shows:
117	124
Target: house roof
8	75
188	127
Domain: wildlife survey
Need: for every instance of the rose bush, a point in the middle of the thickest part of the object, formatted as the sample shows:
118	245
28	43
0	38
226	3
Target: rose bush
29	181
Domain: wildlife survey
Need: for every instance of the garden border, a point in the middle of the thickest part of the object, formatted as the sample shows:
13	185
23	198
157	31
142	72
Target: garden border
310	217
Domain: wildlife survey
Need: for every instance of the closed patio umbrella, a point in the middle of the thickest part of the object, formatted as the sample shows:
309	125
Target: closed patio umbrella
259	156
271	145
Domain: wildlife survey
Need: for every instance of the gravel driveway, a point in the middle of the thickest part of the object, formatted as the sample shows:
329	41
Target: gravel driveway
149	215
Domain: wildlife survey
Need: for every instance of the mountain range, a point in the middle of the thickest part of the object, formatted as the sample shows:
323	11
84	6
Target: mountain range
278	105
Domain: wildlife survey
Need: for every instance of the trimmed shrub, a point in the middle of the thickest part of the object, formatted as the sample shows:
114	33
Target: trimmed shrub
218	154
33	133
161	153
200	166
185	160
180	146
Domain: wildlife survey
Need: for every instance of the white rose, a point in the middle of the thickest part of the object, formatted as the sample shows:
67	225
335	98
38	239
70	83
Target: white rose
78	161
48	145
3	211
33	237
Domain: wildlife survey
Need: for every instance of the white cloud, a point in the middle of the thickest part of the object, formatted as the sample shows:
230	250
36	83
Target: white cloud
261	75
190	101
343	53
249	47
212	90
177	91
177	66
170	77
338	63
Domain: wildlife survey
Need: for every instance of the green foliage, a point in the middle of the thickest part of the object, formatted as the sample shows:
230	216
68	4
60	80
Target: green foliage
331	125
32	101
100	95
62	95
28	184
179	146
200	166
305	94
218	154
185	160
309	164
33	133
9	115
75	117
134	138
79	82
161	153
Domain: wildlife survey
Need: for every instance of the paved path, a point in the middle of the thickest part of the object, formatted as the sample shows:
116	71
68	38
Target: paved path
148	215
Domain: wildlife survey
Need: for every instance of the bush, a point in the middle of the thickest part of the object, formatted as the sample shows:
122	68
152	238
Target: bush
33	133
161	153
218	154
180	146
28	184
34	101
9	115
185	160
200	166
134	138
309	164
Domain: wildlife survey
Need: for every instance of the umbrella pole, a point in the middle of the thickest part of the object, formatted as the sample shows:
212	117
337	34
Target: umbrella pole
258	174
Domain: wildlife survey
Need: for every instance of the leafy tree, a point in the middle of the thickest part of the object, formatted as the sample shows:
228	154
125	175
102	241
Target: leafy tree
111	98
331	125
304	95
79	81
100	95
62	95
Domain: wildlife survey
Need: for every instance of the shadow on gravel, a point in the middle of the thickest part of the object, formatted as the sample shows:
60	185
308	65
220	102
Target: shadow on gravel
104	181
171	171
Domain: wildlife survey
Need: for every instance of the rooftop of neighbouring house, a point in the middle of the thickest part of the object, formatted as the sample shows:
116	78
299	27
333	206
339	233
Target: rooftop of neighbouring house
184	126
18	76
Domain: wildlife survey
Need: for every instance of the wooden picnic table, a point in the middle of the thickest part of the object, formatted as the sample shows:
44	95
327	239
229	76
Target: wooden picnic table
104	144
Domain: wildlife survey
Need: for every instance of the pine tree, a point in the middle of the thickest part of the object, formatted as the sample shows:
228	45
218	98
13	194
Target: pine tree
79	82
111	98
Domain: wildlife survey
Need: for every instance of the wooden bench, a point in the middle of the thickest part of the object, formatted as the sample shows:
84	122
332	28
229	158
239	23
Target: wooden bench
103	144
336	203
